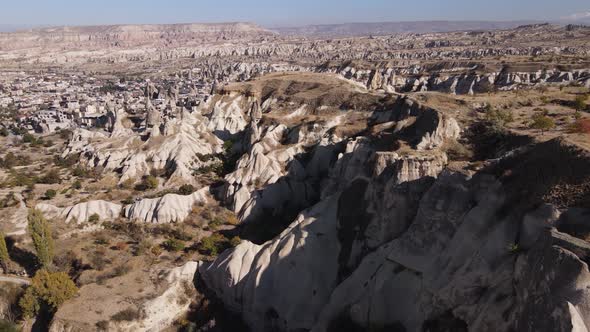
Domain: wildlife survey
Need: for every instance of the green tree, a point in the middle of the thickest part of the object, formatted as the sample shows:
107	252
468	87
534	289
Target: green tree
47	291
41	235
4	257
542	123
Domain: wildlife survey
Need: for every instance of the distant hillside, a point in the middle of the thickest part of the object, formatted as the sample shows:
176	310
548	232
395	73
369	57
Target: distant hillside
130	35
385	28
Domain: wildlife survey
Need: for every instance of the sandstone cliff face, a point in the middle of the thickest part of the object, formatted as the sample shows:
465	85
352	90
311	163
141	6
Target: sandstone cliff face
398	243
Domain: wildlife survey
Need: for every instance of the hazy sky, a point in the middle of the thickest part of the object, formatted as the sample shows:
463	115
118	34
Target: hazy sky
278	12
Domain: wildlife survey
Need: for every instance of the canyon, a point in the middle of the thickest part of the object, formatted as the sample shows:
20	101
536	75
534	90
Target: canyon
225	177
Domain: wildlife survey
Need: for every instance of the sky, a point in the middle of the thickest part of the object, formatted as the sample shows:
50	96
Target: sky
273	13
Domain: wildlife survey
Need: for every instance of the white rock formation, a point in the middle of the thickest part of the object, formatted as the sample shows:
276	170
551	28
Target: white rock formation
80	213
170	208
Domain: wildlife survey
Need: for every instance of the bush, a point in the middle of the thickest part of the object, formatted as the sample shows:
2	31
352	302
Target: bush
128	201
173	245
542	122
94	218
156	250
122	270
143	247
235	241
52	177
150	182
77	185
186	189
47	290
50	194
102	325
499	118
213	245
126	315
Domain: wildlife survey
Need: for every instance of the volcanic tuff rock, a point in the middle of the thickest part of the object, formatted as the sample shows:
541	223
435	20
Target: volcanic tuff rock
170	208
182	141
421	253
80	213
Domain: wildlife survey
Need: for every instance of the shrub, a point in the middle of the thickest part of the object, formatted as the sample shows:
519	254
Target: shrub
156	250
173	245
142	248
126	315
41	235
215	223
98	259
213	245
150	182
102	325
52	177
94	218
498	117
122	270
127	201
542	122
48	290
186	189
77	185
50	194
235	241
29	138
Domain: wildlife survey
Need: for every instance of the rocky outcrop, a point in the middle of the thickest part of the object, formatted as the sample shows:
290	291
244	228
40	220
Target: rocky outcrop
80	213
456	80
179	150
170	208
394	249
